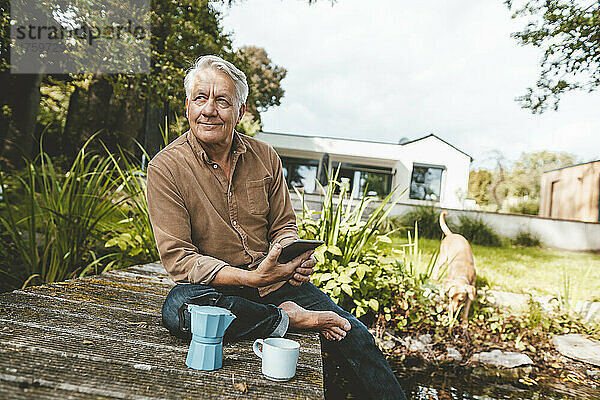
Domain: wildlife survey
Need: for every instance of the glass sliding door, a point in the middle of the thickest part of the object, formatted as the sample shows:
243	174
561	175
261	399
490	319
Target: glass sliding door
363	179
300	173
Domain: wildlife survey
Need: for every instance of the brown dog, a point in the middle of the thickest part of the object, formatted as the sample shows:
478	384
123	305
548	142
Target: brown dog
456	255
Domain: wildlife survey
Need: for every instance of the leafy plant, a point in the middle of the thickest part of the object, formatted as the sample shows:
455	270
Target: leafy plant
136	225
418	302
427	220
63	214
526	239
354	265
358	267
476	231
529	207
133	238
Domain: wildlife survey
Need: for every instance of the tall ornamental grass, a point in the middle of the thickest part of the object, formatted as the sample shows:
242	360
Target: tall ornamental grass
60	215
133	239
134	236
354	266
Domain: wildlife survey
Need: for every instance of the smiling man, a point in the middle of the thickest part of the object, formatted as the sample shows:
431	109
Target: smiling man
221	212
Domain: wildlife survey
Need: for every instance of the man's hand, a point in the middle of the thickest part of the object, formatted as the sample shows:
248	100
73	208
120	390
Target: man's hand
303	272
270	271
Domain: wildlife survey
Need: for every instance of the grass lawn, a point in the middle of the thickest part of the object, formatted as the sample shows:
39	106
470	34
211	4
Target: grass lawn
529	269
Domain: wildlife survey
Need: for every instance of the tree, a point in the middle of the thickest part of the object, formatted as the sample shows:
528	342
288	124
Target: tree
526	173
19	98
264	79
568	31
517	180
479	183
128	106
498	189
5	110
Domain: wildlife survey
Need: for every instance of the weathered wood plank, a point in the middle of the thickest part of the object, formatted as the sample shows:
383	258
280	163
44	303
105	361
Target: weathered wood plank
125	277
31	301
101	337
115	377
73	290
125	346
23	388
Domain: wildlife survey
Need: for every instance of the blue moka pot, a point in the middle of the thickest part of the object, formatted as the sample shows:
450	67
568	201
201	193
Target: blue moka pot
208	325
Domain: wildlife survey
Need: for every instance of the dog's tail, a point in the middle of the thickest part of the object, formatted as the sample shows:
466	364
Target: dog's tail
443	225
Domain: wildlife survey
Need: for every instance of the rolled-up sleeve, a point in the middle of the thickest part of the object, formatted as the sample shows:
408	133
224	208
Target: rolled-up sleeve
173	233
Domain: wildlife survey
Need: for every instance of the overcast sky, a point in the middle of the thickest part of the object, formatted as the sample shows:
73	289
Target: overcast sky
386	69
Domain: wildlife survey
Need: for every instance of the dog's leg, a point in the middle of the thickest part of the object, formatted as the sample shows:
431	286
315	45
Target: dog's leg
465	312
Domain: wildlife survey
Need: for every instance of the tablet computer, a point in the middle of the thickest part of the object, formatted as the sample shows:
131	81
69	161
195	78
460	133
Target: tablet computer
296	248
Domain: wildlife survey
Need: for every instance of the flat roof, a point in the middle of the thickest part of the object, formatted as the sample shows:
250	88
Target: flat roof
369	141
328	137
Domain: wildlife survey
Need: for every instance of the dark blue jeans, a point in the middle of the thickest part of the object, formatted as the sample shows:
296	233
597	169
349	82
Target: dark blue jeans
259	317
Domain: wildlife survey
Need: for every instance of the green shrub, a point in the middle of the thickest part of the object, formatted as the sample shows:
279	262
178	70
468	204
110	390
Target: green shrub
427	220
10	278
529	207
58	216
476	231
133	238
526	239
57	224
417	306
362	272
354	266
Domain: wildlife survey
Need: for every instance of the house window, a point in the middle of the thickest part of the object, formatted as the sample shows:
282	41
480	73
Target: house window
300	173
426	182
376	181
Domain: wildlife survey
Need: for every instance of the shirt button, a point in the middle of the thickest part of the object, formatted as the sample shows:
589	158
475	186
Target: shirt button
235	222
215	166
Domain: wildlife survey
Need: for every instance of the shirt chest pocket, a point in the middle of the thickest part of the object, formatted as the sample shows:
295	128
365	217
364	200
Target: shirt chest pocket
258	195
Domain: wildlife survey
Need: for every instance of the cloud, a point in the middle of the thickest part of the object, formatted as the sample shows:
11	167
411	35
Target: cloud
388	69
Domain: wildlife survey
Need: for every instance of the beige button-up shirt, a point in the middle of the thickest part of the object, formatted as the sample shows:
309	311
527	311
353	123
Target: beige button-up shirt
203	222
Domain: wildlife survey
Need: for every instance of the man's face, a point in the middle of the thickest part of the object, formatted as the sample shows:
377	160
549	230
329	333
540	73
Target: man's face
211	110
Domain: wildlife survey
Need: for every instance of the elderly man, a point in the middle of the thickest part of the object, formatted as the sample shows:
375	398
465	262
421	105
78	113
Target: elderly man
219	203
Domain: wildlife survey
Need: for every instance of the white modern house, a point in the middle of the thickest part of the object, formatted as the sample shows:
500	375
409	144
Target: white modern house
429	168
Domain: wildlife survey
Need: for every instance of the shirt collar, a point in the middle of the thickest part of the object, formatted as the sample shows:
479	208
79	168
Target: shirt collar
237	145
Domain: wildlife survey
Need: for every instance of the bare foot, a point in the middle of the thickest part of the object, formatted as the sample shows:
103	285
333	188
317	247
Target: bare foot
331	325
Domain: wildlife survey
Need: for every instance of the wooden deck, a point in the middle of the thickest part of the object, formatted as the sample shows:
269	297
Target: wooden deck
101	337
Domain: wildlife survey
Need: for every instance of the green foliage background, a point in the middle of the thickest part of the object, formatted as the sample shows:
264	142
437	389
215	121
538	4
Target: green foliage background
567	32
494	188
124	107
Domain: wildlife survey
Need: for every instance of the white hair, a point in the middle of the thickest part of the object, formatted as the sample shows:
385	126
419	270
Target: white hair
217	63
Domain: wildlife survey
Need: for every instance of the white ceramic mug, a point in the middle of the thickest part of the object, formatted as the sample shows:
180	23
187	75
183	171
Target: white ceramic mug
279	357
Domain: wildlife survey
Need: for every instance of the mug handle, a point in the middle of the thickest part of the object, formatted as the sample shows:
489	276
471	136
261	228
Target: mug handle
255	347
